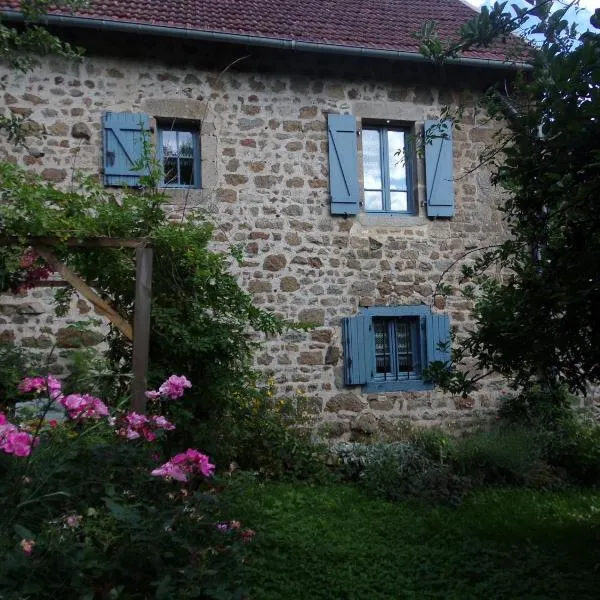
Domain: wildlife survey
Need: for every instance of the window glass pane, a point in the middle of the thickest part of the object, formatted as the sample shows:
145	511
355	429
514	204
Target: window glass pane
382	346
398	201
396	160
170	167
186	144
186	171
371	159
373	201
169	143
404	345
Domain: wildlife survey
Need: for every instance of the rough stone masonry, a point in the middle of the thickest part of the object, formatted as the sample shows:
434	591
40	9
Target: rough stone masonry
265	183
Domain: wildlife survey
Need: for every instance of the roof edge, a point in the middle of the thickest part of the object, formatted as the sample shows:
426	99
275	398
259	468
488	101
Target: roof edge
236	38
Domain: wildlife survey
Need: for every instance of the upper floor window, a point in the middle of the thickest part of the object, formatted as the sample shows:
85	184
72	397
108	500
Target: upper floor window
386	170
388	157
179	154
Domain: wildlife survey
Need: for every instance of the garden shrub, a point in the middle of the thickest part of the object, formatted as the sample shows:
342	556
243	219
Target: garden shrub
89	508
569	443
573	447
501	456
400	470
537	408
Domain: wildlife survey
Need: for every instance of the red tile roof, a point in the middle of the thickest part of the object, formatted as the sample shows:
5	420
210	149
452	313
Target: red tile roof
375	24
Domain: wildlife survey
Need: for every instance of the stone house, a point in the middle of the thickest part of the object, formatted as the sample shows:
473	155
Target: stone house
295	126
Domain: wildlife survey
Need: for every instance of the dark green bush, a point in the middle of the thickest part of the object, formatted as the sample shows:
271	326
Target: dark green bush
537	408
573	447
504	456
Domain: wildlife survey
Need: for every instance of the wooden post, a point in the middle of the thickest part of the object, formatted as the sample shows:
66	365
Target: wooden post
141	326
85	290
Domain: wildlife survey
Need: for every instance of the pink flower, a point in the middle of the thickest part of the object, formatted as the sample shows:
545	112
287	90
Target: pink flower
161	422
222	527
73	521
32	384
84	406
235	524
137	425
136	420
18	443
247	535
170	471
152	395
14	441
27	546
174	386
37	385
54	387
185	464
130	434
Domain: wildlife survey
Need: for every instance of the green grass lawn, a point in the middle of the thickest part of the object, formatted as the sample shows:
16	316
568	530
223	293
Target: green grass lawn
333	542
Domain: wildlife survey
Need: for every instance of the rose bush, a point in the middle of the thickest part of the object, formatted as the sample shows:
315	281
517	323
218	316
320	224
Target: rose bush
90	508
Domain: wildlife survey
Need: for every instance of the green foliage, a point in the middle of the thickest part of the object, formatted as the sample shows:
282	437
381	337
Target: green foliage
402	470
503	456
103	528
208	337
15	363
535	407
324	542
540	324
574	448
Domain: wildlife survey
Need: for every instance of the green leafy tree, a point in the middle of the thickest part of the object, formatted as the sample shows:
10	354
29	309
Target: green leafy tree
540	324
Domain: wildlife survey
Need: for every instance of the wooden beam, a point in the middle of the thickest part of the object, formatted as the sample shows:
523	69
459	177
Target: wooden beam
86	291
141	326
88	242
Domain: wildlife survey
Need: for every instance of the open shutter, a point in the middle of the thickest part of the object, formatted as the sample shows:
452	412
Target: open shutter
124	147
343	157
358	342
439	169
438	332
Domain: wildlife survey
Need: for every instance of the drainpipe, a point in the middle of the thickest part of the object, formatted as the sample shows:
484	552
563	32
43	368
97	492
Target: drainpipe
252	40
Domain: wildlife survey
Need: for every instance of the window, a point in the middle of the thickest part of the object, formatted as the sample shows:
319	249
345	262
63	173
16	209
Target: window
179	154
388	160
125	163
387	348
397	348
386	169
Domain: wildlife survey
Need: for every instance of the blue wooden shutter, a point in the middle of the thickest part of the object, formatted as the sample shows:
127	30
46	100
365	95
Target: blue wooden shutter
438	332
343	157
358	349
124	147
439	168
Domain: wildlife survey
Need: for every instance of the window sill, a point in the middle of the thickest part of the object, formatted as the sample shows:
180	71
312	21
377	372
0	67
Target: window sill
179	187
391	220
397	386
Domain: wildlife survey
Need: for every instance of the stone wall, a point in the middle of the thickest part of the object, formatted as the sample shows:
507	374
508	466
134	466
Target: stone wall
265	182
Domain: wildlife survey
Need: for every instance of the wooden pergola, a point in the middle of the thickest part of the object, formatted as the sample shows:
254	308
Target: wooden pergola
137	333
